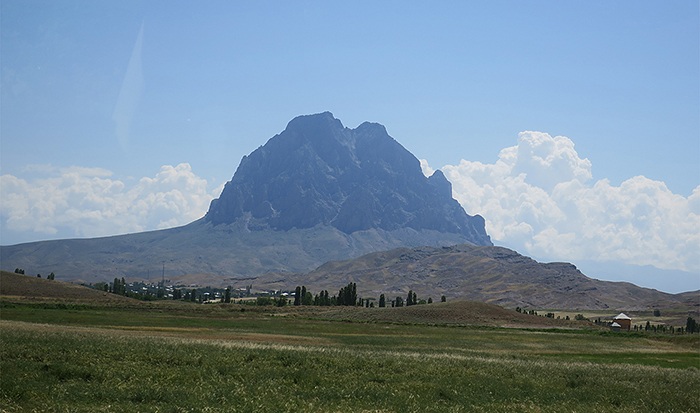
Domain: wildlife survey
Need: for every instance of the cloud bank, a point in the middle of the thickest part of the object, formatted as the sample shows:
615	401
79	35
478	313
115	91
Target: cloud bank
85	202
537	198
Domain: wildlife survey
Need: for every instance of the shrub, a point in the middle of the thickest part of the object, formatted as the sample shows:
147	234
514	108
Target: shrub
263	301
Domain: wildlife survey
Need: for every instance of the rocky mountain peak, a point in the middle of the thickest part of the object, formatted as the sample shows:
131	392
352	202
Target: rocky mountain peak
318	172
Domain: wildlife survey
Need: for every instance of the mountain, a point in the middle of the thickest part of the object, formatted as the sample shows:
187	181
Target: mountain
316	192
487	274
318	172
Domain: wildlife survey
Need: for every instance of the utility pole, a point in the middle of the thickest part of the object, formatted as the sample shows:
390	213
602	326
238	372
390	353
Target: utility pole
163	282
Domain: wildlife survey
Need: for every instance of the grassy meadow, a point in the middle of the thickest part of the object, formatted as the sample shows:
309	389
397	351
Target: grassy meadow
183	357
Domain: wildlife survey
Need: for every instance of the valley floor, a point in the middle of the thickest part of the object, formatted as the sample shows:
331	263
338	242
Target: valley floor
87	358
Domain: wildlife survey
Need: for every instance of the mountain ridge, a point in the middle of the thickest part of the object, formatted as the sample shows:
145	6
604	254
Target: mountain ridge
319	172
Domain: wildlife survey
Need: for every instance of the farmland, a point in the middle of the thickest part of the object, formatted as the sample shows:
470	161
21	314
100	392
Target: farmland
108	356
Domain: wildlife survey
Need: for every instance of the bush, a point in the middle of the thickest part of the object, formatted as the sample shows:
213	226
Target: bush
263	301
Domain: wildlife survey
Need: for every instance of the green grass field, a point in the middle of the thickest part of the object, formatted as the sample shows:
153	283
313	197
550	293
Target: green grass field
179	358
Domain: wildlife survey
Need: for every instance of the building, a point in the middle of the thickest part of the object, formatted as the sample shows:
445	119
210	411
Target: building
623	321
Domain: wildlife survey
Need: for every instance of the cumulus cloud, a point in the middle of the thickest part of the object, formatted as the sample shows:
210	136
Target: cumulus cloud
88	203
538	199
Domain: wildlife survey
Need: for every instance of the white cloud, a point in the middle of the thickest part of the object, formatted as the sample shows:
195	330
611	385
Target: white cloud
88	204
537	199
427	170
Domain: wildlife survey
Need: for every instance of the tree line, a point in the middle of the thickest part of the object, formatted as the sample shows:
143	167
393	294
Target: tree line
347	296
691	326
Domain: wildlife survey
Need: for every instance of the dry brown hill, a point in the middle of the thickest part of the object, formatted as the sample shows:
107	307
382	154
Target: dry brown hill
458	313
19	285
493	275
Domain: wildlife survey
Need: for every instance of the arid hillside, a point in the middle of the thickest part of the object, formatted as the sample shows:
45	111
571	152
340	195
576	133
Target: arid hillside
494	275
31	287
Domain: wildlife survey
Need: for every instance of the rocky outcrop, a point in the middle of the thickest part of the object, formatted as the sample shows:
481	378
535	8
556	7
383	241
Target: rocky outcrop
318	172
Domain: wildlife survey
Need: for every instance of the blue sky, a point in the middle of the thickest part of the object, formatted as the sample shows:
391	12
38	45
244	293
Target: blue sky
203	85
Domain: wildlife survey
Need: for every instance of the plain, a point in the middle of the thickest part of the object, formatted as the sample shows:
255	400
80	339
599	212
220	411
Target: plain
172	356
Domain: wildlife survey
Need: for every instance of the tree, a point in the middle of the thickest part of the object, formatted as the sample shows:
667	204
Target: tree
443	299
409	298
227	295
399	302
160	293
347	295
119	286
38	276
691	326
193	295
430	300
282	301
307	297
325	299
263	301
321	298
297	296
51	276
657	313
382	301
19	271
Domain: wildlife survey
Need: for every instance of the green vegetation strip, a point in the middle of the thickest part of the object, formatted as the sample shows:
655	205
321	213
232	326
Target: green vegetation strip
49	367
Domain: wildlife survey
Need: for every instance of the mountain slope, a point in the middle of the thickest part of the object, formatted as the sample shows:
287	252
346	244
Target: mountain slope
487	274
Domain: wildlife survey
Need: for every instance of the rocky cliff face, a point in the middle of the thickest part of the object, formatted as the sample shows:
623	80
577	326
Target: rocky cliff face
319	172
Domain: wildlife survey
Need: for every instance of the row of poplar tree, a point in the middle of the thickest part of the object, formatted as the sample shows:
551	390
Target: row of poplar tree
347	296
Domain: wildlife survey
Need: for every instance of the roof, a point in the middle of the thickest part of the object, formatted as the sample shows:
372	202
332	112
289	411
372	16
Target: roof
622	316
615	325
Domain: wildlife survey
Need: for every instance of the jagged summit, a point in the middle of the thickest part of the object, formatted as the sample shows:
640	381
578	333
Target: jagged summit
318	172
